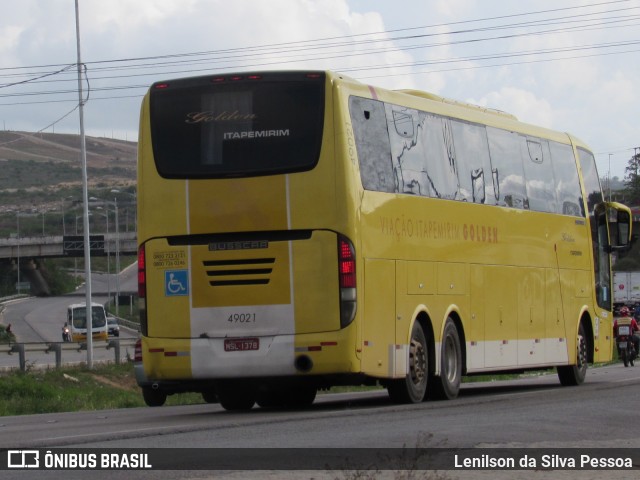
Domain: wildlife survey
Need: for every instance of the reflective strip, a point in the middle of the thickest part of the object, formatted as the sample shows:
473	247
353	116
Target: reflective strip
313	348
176	354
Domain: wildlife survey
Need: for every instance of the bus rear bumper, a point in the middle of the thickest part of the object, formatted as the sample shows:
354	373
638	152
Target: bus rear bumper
232	358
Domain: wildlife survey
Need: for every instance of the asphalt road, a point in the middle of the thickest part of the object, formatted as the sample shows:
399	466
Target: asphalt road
534	412
531	412
40	319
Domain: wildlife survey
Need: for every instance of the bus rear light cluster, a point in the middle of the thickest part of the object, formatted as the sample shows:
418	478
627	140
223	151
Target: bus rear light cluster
137	356
347	281
142	275
142	290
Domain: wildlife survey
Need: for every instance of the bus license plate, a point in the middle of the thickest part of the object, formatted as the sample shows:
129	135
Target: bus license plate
241	344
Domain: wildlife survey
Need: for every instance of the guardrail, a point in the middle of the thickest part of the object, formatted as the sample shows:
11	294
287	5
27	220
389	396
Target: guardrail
59	347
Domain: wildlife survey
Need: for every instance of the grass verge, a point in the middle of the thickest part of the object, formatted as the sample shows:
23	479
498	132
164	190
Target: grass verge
74	389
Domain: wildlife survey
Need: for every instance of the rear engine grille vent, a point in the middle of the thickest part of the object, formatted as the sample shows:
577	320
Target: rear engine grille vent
252	271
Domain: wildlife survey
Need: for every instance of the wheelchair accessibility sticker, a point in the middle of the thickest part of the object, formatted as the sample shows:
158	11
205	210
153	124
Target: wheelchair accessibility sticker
176	283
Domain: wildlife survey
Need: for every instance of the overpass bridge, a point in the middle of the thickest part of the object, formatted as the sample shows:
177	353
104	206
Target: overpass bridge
24	252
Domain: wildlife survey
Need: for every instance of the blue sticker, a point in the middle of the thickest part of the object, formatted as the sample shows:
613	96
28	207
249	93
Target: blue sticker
176	283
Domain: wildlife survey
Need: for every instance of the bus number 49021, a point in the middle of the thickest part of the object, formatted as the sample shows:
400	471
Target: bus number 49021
242	318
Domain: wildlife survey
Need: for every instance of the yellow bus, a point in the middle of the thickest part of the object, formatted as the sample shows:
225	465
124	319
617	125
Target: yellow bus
300	230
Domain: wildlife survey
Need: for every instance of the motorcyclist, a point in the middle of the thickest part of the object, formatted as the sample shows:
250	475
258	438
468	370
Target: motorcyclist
625	318
66	336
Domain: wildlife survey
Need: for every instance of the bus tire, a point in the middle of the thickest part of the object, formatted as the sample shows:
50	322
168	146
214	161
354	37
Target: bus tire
210	396
269	399
153	398
296	396
302	397
413	387
235	396
446	386
571	375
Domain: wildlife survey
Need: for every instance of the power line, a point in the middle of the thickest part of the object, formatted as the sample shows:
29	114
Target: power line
440	61
346	41
345	47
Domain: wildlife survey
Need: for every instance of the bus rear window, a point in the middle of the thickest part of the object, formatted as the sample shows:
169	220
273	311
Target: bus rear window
237	126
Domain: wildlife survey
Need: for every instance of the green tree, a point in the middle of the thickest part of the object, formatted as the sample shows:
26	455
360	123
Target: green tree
632	179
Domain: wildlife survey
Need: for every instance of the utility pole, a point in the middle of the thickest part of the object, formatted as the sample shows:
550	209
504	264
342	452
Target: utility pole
610	176
85	201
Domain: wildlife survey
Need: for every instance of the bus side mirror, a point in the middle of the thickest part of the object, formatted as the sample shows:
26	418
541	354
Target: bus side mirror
624	229
620	221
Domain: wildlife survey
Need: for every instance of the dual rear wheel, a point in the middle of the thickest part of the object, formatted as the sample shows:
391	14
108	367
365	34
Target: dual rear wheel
238	396
420	382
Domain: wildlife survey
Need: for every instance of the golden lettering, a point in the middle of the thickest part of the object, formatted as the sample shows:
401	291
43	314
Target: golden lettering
225	116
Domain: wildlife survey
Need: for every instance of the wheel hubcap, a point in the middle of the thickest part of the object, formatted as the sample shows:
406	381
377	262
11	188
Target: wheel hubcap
450	360
417	361
582	352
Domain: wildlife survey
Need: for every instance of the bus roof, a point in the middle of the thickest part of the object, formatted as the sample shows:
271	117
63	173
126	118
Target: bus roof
83	305
438	98
457	109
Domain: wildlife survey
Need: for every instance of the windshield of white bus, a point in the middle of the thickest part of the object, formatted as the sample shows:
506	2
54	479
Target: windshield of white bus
80	317
237	126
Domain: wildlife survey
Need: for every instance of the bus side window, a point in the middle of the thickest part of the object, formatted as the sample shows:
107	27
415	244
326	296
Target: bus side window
423	152
505	150
568	188
372	144
540	181
408	154
441	159
472	163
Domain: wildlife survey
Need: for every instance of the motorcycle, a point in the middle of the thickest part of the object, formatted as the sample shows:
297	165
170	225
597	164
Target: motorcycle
626	349
66	334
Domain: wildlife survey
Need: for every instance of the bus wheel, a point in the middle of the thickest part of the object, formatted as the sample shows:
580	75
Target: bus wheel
413	387
447	385
234	396
269	399
153	398
570	375
210	396
302	397
295	397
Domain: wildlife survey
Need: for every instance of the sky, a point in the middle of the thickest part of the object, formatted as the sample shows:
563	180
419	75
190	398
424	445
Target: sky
569	65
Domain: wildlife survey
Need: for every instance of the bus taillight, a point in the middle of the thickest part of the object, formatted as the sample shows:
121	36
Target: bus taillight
142	277
142	290
137	356
347	281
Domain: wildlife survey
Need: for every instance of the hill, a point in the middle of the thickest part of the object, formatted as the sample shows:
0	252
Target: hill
37	169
